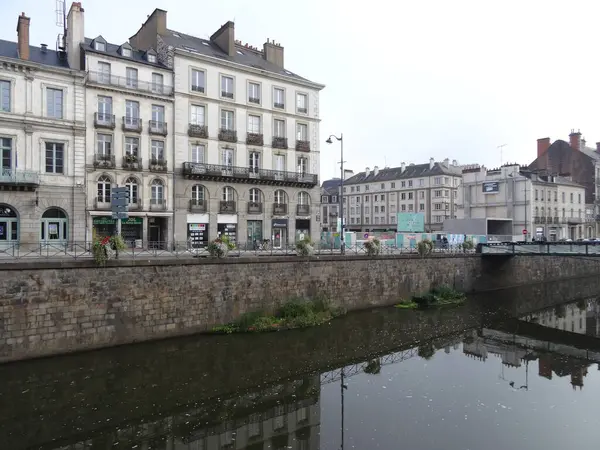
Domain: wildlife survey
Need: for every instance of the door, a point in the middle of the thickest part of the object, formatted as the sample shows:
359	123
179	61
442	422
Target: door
279	237
255	231
54	227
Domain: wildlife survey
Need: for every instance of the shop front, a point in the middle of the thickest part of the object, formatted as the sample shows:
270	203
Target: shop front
302	229
9	226
279	233
197	230
227	226
255	231
157	232
132	229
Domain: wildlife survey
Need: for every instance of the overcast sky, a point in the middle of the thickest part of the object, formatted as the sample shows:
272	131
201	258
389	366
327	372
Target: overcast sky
406	80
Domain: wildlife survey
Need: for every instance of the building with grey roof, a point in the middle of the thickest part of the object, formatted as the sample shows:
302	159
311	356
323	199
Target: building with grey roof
373	198
330	205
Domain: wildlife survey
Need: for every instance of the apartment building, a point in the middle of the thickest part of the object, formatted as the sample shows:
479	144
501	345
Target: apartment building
330	205
246	137
42	144
544	205
129	134
373	198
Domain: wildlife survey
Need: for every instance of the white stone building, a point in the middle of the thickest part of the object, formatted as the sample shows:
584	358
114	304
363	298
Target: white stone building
246	137
42	145
545	206
129	134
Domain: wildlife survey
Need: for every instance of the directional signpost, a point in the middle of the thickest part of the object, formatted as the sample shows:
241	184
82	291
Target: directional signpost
119	201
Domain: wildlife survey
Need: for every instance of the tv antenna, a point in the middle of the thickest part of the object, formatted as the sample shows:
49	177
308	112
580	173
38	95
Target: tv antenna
501	147
61	22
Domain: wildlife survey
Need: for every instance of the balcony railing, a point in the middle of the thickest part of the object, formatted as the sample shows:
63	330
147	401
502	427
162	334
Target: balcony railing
574	220
303	146
303	210
254	139
19	177
199	131
104	161
131	162
278	105
133	124
158	204
158	165
548	219
100	204
556	220
227	135
197	205
157	127
135	204
246	175
302	110
128	83
279	142
226	94
279	209
254	100
255	208
102	120
227	207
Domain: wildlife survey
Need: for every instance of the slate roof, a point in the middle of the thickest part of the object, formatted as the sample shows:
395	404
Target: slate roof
49	58
557	180
410	171
330	187
243	56
112	50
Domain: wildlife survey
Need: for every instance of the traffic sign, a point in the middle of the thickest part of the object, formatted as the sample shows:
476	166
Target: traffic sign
119	201
524	231
120	215
120	190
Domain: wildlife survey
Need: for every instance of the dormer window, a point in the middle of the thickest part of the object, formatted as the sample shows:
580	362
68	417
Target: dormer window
152	58
126	50
100	46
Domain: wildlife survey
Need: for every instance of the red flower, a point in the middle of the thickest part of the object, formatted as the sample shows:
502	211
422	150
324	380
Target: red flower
105	241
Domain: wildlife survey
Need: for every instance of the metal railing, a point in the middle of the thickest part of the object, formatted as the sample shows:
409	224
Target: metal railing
104	161
199	131
583	248
157	127
134	124
138	249
129	83
103	120
209	171
14	176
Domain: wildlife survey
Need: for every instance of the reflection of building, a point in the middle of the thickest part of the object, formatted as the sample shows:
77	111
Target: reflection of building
571	317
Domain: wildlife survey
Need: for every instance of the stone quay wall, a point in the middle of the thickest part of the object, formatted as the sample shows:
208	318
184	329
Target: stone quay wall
49	308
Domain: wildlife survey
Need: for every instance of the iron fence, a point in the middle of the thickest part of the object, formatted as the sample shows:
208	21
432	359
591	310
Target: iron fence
9	252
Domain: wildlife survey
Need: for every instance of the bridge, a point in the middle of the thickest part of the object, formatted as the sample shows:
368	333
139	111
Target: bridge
586	248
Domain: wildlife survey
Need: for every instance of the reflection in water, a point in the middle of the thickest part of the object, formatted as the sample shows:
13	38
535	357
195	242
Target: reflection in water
497	385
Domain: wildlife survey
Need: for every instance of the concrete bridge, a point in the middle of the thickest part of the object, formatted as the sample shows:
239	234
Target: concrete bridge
590	248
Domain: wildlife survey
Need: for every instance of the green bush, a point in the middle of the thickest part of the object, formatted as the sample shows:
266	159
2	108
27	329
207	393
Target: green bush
373	247
425	247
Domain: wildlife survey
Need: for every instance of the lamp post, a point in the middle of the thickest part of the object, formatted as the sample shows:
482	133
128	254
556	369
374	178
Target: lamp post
329	141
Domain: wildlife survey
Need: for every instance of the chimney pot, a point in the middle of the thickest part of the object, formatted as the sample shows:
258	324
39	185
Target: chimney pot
575	140
543	145
431	162
598	147
44	47
23	36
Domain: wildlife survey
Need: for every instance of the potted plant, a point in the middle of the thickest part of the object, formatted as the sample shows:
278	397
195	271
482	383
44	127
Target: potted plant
305	247
220	247
425	247
107	248
373	247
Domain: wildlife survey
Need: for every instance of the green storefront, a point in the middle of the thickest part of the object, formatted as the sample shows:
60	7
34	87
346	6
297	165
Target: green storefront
132	229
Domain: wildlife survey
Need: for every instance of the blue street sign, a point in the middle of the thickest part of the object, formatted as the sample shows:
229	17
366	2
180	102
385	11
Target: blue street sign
119	201
120	215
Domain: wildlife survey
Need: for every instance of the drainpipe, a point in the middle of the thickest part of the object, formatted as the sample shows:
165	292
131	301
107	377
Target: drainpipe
173	159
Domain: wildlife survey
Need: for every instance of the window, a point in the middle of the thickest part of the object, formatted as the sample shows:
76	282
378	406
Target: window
132	186
303	198
555	196
279	128
5	96
302	165
382	185
571	197
421	194
197	116
132	145
579	198
227	194
255	195
157	150
421	206
198	151
55	157
254	93
302	103
279	197
393	185
100	46
227	157
254	124
334	199
54	103
157	190
227	120
5	154
104	108
198	193
563	197
104	184
302	132
158	115
226	86
104	72
151	58
410	195
198	83
324	199
131	77
278	98
104	146
126	52
254	162
132	113
157	83
279	163
410	183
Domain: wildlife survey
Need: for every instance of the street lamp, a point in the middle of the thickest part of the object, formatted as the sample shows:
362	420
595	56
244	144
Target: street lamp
329	141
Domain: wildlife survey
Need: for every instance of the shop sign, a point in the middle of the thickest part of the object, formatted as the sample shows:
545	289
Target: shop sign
279	223
108	221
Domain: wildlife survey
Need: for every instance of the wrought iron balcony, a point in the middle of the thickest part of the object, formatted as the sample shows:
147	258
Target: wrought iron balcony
158	128
199	131
574	220
158	204
158	165
303	210
302	110
255	208
128	83
227	207
227	135
135	204
279	209
213	172
279	142
279	105
104	161
100	204
14	177
133	124
102	120
132	162
303	146
549	220
254	100
197	206
556	220
226	94
254	139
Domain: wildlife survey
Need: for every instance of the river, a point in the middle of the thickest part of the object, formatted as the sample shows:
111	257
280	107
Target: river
510	369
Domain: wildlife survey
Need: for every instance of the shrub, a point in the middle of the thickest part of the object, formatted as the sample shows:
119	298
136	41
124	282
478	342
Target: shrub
373	367
220	247
425	247
467	245
107	248
305	247
373	247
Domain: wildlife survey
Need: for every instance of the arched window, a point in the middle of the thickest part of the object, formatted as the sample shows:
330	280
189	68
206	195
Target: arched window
280	197
228	194
198	193
104	184
132	185
157	189
303	198
255	195
54	226
9	225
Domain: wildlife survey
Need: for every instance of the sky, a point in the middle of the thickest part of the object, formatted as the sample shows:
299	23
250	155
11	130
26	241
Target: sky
405	80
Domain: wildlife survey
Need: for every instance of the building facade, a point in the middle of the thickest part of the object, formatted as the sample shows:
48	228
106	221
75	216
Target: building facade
543	205
42	145
330	205
129	135
246	138
373	198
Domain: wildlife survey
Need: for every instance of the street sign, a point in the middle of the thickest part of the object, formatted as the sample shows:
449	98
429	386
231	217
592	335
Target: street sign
524	231
120	190
119	201
120	215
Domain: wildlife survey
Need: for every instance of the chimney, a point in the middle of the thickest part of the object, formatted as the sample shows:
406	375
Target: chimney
44	48
454	162
543	146
75	36
575	140
431	162
375	170
348	173
598	147
224	38
23	36
273	52
367	172
582	143
402	167
446	162
146	37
